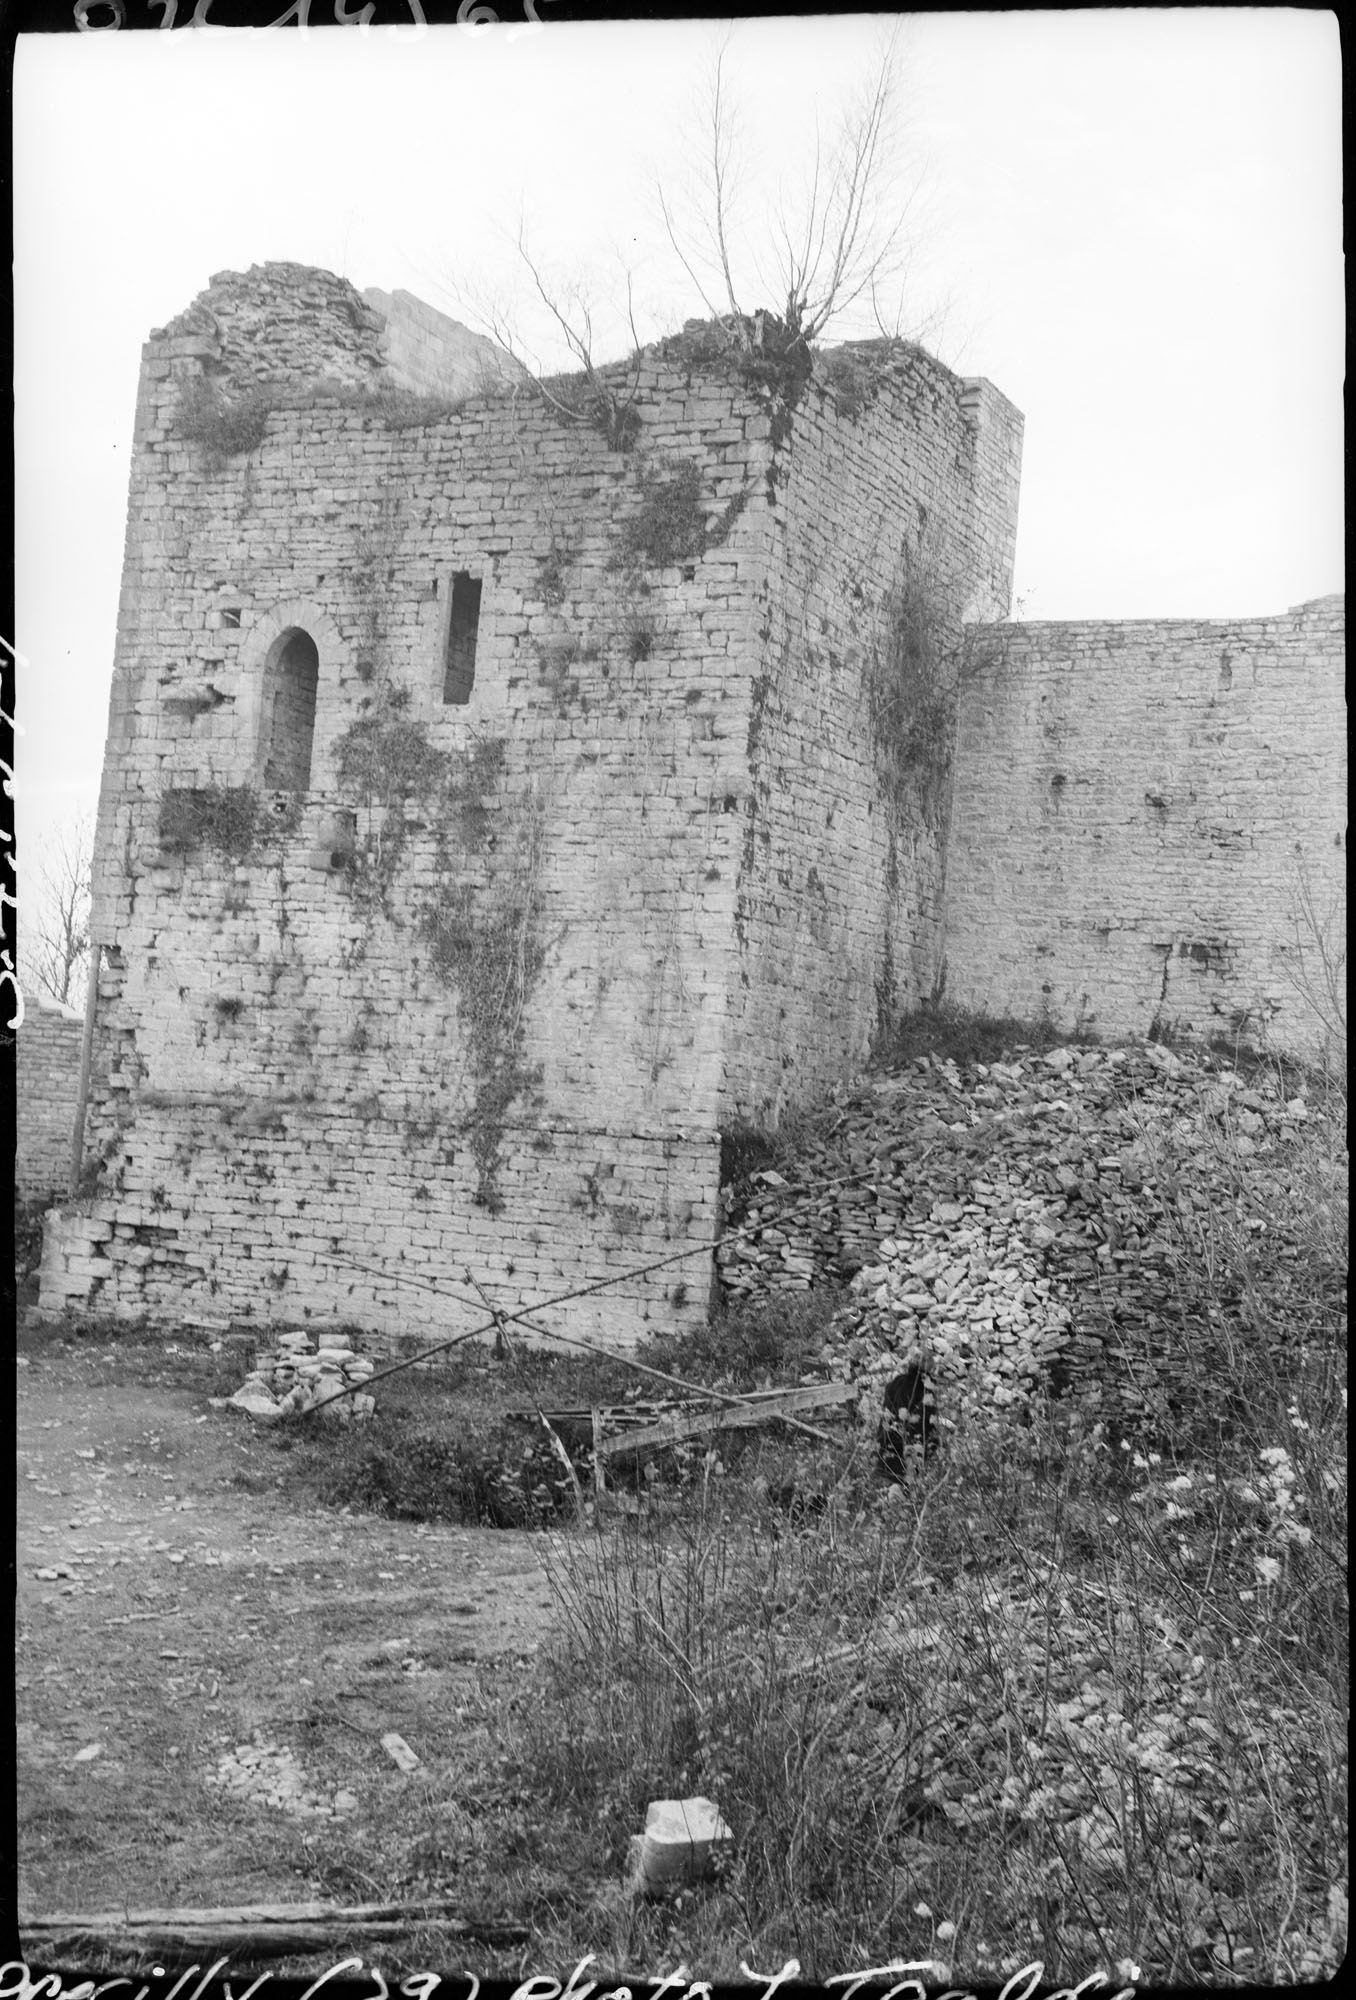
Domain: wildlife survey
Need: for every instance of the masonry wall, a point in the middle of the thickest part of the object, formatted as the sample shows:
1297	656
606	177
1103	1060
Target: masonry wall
492	813
47	1087
1149	826
458	1006
891	475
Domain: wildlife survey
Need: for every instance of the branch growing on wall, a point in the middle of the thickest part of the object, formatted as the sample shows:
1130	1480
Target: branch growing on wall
605	401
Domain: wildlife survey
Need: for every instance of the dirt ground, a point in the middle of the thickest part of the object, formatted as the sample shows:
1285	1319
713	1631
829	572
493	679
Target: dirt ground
204	1675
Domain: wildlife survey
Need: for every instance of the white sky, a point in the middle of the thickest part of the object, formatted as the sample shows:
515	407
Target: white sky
1131	222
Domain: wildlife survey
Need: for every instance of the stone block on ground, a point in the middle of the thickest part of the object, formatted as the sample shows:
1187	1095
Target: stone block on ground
681	1845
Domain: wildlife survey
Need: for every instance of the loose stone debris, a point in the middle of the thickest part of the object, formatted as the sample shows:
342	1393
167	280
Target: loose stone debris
683	1843
1010	1224
267	1775
298	1377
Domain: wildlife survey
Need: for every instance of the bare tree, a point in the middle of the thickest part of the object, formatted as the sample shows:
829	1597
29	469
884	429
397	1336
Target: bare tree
54	942
598	400
843	244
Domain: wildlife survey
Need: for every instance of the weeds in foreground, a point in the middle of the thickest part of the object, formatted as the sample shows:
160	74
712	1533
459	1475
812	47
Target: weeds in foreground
1061	1696
748	1345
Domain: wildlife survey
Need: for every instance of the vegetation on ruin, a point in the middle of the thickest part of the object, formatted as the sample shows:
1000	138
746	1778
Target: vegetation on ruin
557	656
492	963
669	525
486	942
481	923
370	574
226	426
232	820
555	568
589	398
912	679
409	409
384	758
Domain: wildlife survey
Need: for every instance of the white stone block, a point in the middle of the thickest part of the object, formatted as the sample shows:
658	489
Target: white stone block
683	1840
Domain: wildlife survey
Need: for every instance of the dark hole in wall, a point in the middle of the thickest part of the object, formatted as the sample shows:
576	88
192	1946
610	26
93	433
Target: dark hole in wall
291	714
463	626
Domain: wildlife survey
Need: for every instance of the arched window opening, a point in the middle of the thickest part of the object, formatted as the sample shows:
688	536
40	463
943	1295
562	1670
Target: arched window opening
463	626
289	713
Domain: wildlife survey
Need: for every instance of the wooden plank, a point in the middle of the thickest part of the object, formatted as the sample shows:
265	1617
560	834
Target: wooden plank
268	1929
205	1941
765	1409
673	1406
246	1913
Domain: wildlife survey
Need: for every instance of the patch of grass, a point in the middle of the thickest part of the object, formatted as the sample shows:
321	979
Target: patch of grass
409	409
747	1147
952	1034
443	1447
745	1345
226	426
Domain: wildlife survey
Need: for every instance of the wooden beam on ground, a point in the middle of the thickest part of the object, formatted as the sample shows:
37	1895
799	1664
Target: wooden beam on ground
763	1408
265	1930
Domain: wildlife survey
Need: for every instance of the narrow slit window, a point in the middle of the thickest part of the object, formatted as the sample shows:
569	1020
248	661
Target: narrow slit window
290	714
463	625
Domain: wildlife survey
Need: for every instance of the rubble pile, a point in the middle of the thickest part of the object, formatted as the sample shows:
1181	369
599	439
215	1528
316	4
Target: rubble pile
298	1376
261	1773
1012	1222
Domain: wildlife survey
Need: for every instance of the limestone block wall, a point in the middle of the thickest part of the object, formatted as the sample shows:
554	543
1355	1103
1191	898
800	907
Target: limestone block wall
458	1000
493	809
430	353
1149	825
893	473
47	1086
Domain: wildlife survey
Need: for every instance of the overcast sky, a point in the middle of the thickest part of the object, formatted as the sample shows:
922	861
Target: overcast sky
1129	221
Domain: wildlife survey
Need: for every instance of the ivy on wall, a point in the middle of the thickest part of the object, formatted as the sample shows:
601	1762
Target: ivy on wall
912	677
482	918
231	820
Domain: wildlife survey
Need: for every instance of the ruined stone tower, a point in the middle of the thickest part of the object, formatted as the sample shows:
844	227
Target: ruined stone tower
507	795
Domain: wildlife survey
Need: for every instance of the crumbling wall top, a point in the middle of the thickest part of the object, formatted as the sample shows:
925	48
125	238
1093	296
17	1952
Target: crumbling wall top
282	322
277	322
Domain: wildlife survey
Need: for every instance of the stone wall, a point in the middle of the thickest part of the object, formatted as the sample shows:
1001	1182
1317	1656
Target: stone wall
433	970
894	480
434	355
1144	815
47	1088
